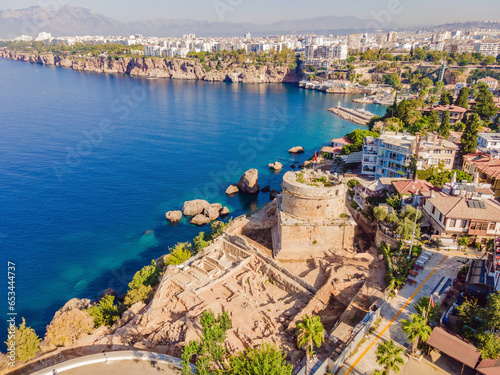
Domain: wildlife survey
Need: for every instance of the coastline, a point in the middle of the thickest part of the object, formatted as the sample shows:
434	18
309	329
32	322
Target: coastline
152	67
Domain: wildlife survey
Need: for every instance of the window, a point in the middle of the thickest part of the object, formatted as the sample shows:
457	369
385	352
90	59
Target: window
452	223
440	217
464	224
437	152
433	210
492	225
447	161
448	152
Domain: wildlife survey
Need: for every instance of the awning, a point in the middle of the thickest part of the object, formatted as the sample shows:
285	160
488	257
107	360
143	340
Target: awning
454	347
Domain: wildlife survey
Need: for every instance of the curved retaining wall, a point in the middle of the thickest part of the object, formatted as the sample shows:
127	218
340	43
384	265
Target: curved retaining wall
104	358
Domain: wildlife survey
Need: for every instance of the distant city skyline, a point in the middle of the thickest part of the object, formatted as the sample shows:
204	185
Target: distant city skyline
402	13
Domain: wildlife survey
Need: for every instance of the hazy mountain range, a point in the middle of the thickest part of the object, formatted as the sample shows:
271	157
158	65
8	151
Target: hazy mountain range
71	21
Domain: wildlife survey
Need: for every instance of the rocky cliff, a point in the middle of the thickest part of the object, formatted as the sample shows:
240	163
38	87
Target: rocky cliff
161	68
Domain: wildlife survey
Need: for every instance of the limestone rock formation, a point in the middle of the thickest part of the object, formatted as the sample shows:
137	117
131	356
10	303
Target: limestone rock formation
296	150
232	189
266	189
224	211
277	166
194	207
212	212
218	206
249	182
174	216
201	219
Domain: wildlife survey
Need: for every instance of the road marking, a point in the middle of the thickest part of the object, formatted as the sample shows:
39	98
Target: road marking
394	318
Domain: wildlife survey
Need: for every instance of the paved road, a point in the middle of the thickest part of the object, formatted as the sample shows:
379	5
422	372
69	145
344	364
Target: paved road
400	307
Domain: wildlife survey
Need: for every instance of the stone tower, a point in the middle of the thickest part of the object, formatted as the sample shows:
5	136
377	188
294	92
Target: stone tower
312	216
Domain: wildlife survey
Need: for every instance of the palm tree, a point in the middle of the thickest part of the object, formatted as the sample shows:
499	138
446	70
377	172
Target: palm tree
378	372
389	356
416	328
310	333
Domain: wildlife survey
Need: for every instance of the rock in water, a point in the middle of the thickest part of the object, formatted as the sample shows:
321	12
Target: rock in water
224	211
277	166
232	189
218	206
212	212
266	189
194	207
249	182
108	292
174	216
296	150
200	219
273	194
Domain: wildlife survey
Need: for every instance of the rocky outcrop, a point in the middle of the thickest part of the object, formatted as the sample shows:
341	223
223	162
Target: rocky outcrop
296	150
174	216
201	219
194	207
266	189
249	182
212	212
232	189
273	194
277	166
224	211
153	67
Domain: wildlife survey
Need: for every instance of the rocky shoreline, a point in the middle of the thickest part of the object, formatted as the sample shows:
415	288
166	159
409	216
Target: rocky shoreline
152	67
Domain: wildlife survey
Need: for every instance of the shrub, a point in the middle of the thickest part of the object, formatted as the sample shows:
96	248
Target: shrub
354	205
352	183
379	213
266	359
27	342
179	254
201	241
148	275
142	293
105	312
69	326
463	241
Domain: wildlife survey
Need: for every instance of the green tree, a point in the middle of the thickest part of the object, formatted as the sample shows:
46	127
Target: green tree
209	351
310	333
446	98
201	241
469	137
179	254
421	307
105	312
379	213
266	359
444	128
463	98
484	106
416	329
26	342
489	345
141	293
148	275
389	355
433	121
494	311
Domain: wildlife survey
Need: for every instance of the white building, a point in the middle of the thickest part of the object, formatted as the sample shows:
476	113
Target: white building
43	36
488	141
488	49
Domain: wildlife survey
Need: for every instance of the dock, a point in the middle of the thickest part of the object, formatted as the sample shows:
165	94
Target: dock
357	116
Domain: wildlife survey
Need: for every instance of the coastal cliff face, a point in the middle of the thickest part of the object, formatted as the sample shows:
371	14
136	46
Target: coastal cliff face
161	68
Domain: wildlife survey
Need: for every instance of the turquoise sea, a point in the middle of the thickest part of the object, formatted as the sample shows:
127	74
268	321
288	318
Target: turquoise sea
90	162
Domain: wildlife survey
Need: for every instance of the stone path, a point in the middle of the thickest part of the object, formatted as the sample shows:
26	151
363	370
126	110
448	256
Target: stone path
400	307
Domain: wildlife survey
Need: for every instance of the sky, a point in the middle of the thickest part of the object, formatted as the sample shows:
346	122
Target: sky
401	12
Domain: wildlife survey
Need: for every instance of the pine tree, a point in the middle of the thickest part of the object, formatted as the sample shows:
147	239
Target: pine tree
469	137
433	121
26	341
484	107
444	128
446	98
463	98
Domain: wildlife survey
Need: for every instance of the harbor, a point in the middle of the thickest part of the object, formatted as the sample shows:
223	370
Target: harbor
357	116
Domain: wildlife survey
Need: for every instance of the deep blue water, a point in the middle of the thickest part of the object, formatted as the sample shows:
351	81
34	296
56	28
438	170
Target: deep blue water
90	162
